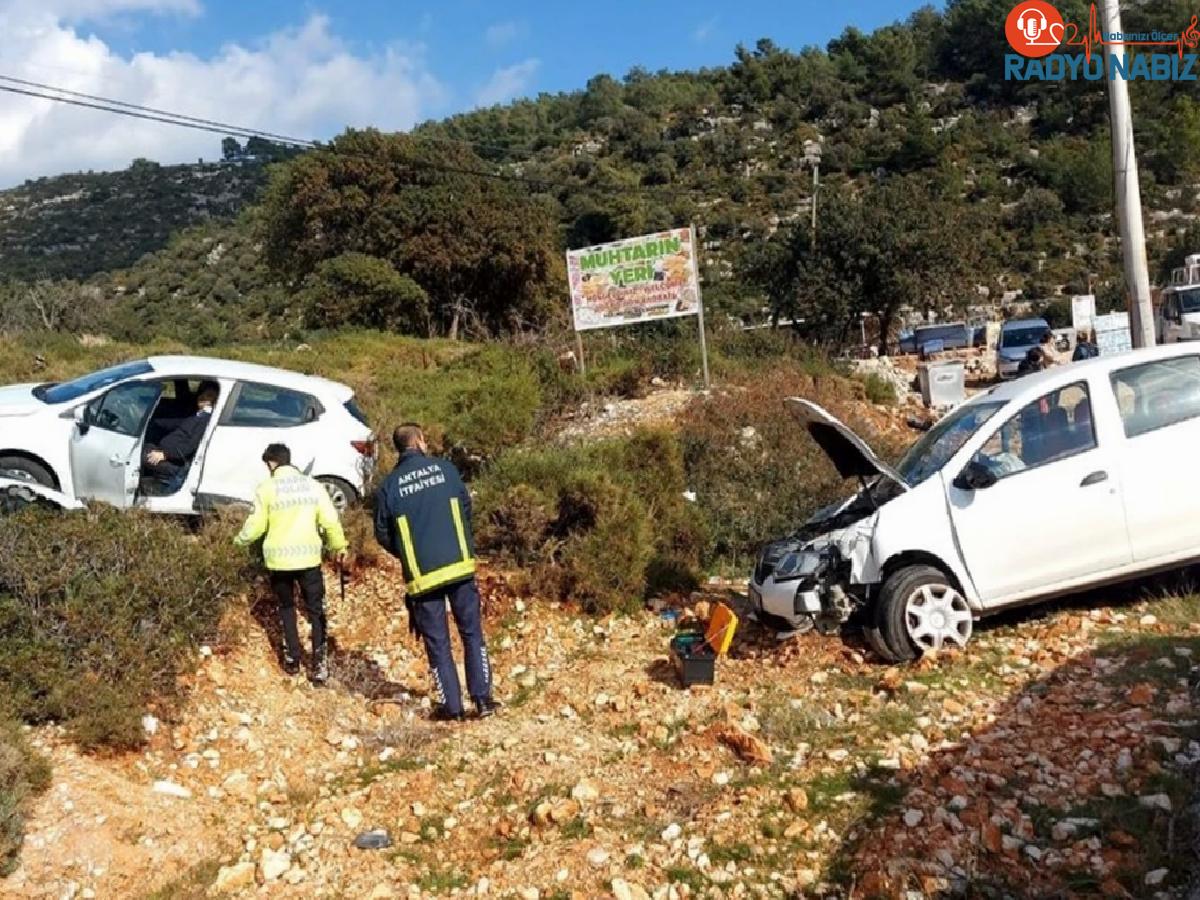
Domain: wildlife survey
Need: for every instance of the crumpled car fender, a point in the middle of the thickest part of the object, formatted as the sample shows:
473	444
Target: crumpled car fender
15	494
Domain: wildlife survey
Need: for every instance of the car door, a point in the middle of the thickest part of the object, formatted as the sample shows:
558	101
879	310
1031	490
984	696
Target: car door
106	443
1159	407
255	416
1054	514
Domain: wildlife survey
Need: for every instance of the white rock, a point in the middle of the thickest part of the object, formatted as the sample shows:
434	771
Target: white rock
234	878
1148	620
150	725
171	789
597	857
621	889
1034	853
913	817
418	810
482	886
721	779
1063	831
1157	876
1156	801
530	894
671	832
585	791
352	817
274	864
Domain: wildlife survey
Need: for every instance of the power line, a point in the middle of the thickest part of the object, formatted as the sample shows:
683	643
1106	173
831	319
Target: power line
43	91
253	132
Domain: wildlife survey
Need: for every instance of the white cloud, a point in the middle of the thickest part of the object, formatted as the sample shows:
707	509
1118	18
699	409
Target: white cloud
502	33
507	83
303	82
704	30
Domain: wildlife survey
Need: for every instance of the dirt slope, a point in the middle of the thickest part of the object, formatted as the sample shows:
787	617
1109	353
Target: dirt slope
1046	761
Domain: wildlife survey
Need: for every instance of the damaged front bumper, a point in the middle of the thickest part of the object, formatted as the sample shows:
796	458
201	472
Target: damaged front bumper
801	583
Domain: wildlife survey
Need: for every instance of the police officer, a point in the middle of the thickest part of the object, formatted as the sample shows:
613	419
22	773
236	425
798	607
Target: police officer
296	515
423	518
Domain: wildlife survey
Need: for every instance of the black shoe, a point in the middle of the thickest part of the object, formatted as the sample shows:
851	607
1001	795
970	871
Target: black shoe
486	708
291	666
441	714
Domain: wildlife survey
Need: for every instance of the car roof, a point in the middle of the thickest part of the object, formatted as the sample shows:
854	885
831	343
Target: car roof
206	366
1036	384
1024	323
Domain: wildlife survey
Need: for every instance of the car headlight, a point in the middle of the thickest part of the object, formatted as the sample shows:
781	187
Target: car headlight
797	565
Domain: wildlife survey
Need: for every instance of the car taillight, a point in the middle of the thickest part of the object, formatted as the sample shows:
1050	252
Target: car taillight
365	448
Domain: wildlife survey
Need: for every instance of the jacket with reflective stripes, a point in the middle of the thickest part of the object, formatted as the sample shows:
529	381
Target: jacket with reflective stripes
423	518
296	514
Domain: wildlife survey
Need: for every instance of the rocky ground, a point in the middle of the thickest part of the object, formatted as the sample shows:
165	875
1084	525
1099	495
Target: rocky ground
1052	760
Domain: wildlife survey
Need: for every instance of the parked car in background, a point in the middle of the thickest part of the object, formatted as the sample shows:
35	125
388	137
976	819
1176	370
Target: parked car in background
936	338
1017	338
85	439
960	528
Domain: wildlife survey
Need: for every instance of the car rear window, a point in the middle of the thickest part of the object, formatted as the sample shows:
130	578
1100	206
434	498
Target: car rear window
355	410
1158	394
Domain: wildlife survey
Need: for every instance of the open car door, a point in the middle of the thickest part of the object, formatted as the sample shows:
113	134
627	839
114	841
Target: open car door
106	445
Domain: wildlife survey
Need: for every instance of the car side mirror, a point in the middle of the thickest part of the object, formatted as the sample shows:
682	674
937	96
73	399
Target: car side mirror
975	477
79	414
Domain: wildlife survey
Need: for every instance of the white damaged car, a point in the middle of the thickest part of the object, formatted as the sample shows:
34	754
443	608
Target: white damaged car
1062	481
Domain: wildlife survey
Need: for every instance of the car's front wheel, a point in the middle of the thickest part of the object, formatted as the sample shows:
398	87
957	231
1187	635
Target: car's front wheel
340	492
918	611
23	469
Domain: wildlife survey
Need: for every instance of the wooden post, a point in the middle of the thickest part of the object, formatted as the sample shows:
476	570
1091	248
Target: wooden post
700	308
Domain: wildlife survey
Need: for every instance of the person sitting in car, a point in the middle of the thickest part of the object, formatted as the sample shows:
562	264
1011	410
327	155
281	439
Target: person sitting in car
170	457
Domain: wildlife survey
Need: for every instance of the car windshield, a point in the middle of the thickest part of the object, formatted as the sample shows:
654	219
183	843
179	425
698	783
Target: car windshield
943	440
1026	336
1189	301
72	390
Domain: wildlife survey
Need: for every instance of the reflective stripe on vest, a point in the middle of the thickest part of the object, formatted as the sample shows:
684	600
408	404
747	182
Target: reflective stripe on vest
421	582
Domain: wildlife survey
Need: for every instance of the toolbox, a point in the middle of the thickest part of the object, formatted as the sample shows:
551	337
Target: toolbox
694	653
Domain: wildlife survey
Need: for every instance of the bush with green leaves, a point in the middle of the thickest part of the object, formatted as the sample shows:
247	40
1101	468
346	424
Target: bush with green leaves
100	611
756	471
23	775
603	525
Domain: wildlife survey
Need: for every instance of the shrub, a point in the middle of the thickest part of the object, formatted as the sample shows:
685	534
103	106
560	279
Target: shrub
878	389
602	525
101	611
756	472
23	774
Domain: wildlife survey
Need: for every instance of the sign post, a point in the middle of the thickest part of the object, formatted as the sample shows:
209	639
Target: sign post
635	280
700	309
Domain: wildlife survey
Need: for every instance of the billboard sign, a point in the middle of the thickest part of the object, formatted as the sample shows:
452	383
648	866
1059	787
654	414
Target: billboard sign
1083	312
639	279
1112	333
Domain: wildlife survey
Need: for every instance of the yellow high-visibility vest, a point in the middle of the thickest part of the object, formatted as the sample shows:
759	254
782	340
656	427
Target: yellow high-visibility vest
297	517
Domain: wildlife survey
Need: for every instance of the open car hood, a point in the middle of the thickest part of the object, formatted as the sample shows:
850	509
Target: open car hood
849	453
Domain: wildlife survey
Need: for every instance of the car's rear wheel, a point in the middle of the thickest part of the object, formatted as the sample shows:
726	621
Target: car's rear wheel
23	469
340	492
919	611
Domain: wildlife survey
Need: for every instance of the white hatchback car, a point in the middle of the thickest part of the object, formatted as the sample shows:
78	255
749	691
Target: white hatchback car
85	439
1063	480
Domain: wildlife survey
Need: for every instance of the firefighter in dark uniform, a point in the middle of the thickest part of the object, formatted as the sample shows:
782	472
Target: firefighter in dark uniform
423	518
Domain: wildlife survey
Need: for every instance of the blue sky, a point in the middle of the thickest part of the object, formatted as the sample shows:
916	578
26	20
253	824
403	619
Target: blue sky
465	42
311	69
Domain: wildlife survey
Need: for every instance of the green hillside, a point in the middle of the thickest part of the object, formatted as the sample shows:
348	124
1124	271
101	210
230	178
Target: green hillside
1021	169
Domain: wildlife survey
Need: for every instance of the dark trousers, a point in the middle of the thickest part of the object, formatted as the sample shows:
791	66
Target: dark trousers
429	617
312	587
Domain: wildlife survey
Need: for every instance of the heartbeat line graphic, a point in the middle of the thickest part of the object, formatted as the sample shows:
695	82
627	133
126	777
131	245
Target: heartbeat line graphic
1188	39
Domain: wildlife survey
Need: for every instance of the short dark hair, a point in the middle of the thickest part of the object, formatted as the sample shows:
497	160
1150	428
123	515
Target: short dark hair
407	436
278	454
1047	336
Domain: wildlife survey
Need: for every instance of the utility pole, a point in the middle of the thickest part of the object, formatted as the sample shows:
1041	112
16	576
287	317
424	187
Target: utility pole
816	184
1128	191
